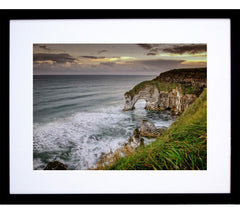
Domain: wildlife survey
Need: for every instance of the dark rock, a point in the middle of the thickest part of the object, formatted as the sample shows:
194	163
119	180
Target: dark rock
148	129
55	165
136	139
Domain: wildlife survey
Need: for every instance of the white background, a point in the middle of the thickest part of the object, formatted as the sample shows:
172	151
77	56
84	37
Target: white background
216	33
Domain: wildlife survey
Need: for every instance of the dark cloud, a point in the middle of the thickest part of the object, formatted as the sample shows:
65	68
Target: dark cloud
111	64
102	51
40	46
93	57
44	47
146	46
154	49
191	49
151	54
58	58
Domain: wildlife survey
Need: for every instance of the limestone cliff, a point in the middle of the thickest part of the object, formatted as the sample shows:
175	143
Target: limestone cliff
175	90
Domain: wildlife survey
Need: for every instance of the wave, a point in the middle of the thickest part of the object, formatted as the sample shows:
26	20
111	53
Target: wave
68	98
79	140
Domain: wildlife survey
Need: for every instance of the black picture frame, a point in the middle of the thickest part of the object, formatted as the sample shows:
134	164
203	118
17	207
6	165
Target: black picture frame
231	198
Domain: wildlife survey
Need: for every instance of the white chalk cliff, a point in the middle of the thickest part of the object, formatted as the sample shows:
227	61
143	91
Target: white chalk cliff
174	99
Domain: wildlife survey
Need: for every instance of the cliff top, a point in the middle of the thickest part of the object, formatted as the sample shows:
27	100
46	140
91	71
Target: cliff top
190	80
183	74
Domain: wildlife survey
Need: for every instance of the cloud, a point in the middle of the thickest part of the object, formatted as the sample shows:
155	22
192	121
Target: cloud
160	62
44	47
102	51
146	46
127	58
58	58
155	49
190	49
149	67
111	64
151	54
198	63
47	48
152	48
101	58
93	57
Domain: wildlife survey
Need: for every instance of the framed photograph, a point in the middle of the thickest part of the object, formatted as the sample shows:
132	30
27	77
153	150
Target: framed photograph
128	106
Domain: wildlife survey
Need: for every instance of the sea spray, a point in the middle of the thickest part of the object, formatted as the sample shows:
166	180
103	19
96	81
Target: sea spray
76	129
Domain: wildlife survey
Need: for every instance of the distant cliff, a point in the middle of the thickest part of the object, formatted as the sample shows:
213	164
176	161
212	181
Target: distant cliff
175	90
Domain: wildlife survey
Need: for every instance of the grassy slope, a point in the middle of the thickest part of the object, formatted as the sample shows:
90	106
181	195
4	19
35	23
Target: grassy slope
182	146
163	86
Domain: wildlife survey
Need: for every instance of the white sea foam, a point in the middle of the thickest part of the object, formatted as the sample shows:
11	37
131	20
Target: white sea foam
79	140
97	124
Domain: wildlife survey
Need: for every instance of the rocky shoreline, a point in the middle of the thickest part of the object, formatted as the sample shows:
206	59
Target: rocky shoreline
55	165
174	90
135	141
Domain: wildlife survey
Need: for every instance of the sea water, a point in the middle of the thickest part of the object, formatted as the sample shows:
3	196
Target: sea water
79	118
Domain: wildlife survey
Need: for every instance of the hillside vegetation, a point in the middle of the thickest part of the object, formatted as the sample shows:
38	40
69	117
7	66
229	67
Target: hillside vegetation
189	81
182	147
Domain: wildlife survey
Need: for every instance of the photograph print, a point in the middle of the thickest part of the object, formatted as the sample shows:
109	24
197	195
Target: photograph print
120	106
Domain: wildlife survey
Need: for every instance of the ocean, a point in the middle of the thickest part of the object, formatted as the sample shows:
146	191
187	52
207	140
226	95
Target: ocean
78	118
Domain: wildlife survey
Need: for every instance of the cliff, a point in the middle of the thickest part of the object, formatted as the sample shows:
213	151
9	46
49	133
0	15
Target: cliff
182	147
175	90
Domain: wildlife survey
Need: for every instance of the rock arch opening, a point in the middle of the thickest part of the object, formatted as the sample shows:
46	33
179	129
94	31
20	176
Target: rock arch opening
140	104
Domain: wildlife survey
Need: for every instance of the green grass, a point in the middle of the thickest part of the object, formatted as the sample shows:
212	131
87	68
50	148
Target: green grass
165	81
191	90
163	86
182	147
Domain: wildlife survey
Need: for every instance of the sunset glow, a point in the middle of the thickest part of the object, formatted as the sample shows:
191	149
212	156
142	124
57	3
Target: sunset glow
116	59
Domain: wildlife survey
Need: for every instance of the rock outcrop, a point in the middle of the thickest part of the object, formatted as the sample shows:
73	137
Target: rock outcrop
149	130
161	100
174	90
129	148
149	93
55	165
135	140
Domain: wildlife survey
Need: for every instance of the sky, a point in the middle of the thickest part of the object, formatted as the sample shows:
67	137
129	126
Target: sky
116	59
